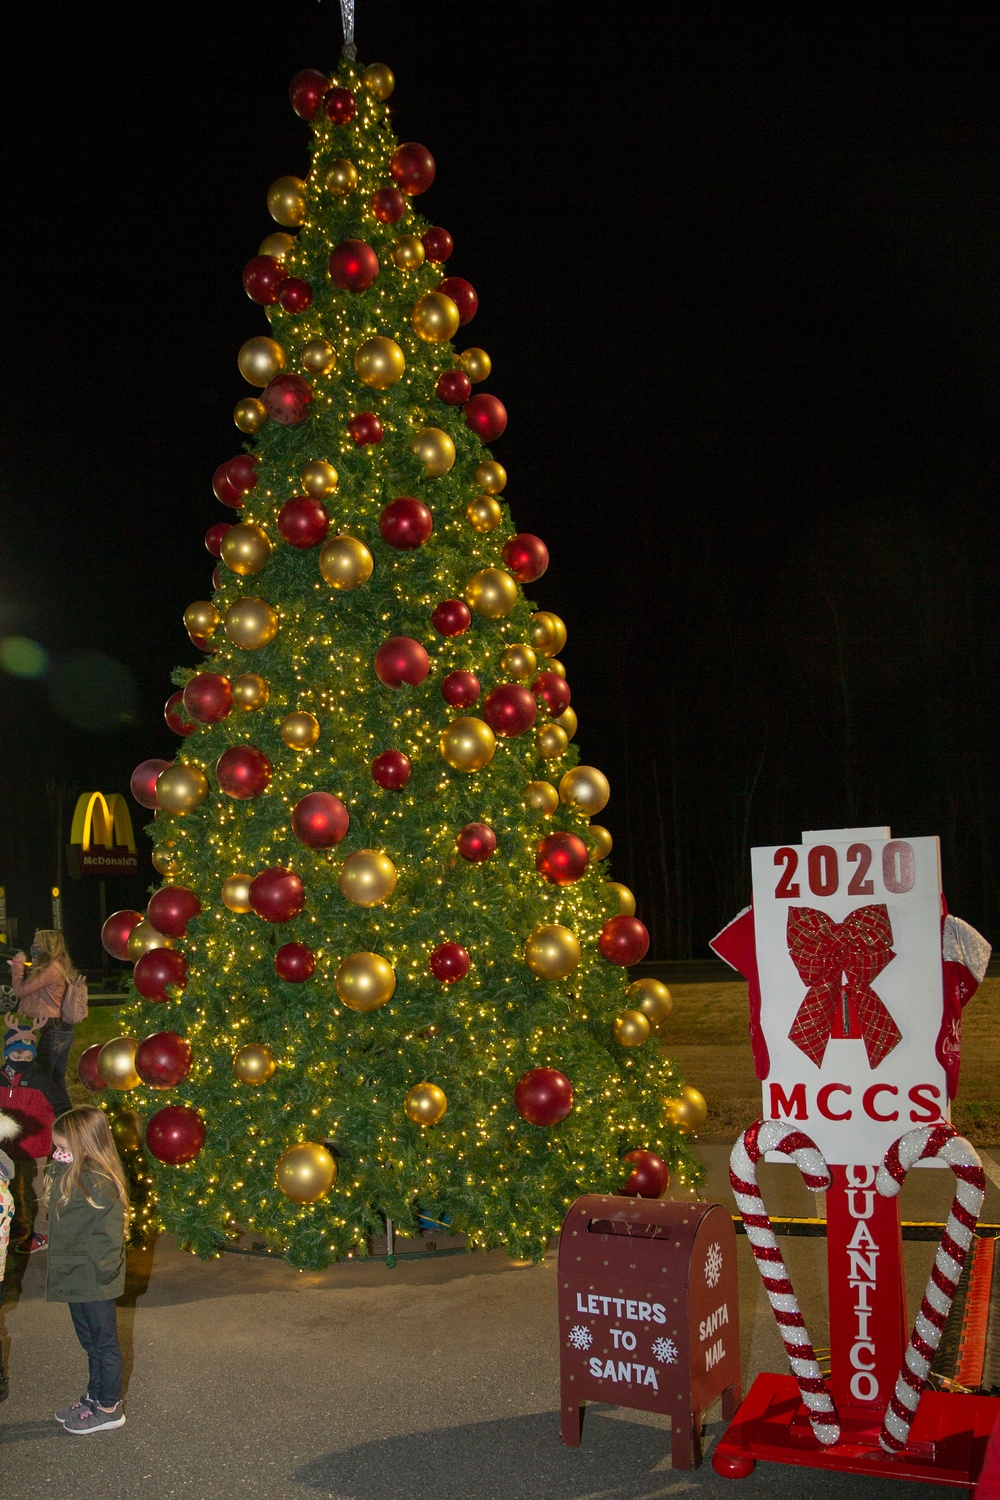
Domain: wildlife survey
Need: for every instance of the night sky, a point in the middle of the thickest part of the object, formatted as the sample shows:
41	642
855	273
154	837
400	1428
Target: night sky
738	277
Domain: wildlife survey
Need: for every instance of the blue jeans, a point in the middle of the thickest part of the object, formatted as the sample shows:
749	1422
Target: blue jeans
97	1330
53	1054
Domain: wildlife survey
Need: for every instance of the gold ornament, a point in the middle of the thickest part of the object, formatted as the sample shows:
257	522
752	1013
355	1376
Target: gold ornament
181	788
548	633
165	861
425	1104
306	1173
408	253
379	80
379	363
541	797
624	897
631	1029
652	998
116	1063
365	981
477	365
678	1114
567	722
553	665
341	177
202	618
552	952
319	478
286	201
492	593
585	789
254	1063
125	1129
277	245
519	662
251	623
602	841
249	691
483	513
236	892
468	744
367	877
317	357
345	563
490	476
551	741
260	359
300	731
435	450
144	938
697	1106
246	547
250	415
435	318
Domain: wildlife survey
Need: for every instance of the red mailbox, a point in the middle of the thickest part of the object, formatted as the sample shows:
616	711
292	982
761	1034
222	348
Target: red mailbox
649	1313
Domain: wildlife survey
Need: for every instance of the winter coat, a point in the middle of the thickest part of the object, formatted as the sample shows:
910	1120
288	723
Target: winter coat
29	1095
86	1260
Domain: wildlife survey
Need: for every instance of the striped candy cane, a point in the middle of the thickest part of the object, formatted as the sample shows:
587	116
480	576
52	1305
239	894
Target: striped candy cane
773	1135
947	1145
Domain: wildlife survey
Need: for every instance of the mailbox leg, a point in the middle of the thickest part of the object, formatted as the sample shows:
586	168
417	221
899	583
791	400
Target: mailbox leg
685	1440
572	1421
730	1401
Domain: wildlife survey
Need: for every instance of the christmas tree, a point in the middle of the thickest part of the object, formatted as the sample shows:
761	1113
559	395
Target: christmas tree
387	968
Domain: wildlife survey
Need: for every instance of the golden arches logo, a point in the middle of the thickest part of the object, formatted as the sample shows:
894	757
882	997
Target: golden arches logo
102	820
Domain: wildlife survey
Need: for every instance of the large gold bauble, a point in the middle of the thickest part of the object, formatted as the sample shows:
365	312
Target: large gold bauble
165	861
300	730
603	841
181	788
260	359
552	664
249	691
697	1105
365	981
341	177
379	362
585	789
379	80
408	253
541	797
568	722
631	1029
425	1104
477	365
624	897
286	201
484	513
651	997
202	618
492	593
144	938
277	245
116	1063
435	318
306	1173
468	744
552	952
435	450
518	662
317	357
125	1130
345	563
236	892
367	877
250	415
254	1063
551	741
490	476
678	1113
319	478
246	548
548	633
251	623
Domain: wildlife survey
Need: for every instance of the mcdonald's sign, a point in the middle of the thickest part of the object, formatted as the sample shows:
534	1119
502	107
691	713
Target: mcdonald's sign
101	840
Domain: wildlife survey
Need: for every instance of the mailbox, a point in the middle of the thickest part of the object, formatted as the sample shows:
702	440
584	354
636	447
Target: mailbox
649	1313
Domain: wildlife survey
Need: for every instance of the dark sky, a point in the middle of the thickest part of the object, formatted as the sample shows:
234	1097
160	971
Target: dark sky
738	275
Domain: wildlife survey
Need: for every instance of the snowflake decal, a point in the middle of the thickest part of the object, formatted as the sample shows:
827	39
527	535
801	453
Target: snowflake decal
713	1264
580	1337
665	1350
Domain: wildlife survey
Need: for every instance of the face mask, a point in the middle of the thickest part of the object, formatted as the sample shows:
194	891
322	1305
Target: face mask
59	1153
36	951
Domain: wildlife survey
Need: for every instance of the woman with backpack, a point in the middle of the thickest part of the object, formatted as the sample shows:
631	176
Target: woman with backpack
50	993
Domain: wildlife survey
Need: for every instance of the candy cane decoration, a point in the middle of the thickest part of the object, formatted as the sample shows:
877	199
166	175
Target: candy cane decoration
773	1135
947	1145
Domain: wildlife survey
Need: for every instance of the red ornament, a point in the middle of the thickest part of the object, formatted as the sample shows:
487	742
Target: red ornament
171	908
306	92
388	205
288	397
485	416
561	858
464	296
340	106
320	820
623	940
405	523
438	244
650	1175
224	490
241	472
86	1069
163	1060
242	772
143	781
364	428
401	659
177	719
552	690
295	963
451	617
262	277
476	842
214	535
460	689
158	968
449	963
510	709
295	295
116	930
216	586
175	1134
277	894
391	770
412	168
303	522
454	387
353	265
208	697
526	556
543	1096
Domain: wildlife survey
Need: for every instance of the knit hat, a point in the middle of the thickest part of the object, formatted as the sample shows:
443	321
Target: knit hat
20	1036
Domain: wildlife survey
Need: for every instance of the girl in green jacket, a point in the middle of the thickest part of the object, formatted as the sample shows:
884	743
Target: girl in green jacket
87	1197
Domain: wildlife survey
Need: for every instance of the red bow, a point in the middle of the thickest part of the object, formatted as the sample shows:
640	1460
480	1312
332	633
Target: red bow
838	961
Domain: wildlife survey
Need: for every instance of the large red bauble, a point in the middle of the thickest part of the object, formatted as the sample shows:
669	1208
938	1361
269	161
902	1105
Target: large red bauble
295	295
526	556
438	244
405	523
86	1069
650	1175
391	770
116	930
243	772
171	908
364	428
163	1060
303	522
451	617
401	659
320	820
552	690
208	697
412	168
224	490
340	106
241	472
476	842
510	709
175	1134
177	719
449	963
463	294
143	781
623	940
295	962
214	535
561	858
454	387
158	968
353	265
544	1096
262	277
388	205
486	417
288	398
277	894
460	689
306	92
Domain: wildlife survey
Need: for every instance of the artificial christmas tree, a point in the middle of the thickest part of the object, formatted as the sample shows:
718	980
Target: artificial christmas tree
387	965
